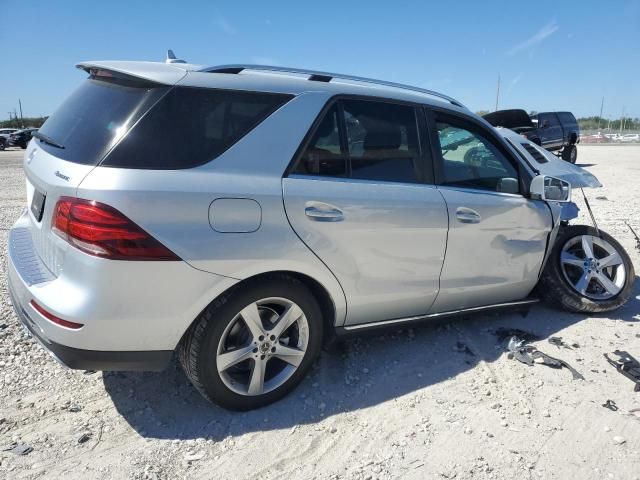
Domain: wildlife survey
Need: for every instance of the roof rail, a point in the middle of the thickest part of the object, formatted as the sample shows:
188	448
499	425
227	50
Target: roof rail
327	77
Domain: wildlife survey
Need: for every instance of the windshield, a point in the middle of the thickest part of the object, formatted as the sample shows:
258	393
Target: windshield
95	117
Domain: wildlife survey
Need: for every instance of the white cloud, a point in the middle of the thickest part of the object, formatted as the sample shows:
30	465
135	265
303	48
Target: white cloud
539	37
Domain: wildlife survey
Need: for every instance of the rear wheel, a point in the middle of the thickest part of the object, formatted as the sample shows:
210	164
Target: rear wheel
253	346
587	272
570	153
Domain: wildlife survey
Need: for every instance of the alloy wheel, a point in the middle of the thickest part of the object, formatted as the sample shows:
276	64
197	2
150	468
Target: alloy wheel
593	267
263	346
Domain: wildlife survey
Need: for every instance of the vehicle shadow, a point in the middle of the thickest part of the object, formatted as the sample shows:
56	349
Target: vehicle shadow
356	374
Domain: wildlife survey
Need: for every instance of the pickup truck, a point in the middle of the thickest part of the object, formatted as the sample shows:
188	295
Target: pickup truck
555	131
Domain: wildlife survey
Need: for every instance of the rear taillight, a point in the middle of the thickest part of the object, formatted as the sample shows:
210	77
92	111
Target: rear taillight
101	230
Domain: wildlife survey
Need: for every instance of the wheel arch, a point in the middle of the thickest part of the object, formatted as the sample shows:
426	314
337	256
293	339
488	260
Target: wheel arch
320	292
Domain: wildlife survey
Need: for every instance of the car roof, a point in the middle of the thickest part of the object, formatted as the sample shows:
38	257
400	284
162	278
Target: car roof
268	78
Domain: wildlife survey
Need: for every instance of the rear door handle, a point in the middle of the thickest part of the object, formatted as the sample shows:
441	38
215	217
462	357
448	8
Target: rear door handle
466	215
323	212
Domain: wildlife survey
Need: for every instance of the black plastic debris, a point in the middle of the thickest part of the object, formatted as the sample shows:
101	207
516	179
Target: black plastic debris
558	342
627	366
22	449
611	405
528	354
85	437
503	334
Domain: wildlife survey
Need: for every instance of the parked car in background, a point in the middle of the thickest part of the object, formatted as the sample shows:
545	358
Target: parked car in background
22	137
613	137
243	220
595	138
5	132
3	143
554	131
630	138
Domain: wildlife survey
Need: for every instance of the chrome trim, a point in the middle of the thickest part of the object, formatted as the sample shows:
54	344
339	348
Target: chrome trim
338	76
362	326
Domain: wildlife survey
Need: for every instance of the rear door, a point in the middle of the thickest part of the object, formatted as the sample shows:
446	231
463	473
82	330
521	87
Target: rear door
497	237
360	196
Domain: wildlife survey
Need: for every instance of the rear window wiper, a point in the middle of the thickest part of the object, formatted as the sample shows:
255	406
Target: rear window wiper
48	140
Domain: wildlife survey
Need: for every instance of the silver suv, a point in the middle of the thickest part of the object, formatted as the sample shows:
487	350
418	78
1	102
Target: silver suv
243	216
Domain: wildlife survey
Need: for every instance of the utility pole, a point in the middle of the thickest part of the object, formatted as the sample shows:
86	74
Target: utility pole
498	92
601	107
21	118
621	117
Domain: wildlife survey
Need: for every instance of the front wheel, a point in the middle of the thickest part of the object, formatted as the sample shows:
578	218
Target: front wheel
570	153
587	272
254	345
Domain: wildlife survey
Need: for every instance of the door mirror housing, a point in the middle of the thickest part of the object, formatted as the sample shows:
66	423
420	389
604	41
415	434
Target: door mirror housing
550	188
508	185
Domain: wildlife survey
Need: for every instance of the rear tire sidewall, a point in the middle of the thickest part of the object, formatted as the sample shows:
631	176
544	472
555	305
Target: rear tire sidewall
556	288
570	153
207	371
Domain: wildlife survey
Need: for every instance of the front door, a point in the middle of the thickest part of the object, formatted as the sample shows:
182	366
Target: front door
497	237
359	196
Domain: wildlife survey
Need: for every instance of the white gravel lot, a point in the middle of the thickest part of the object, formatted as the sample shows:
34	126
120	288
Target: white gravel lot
406	404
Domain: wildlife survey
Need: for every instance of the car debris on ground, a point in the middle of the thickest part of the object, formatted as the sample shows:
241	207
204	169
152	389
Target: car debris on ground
627	366
529	355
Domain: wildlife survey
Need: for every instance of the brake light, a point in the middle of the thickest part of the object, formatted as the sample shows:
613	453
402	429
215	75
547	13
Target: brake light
101	230
54	319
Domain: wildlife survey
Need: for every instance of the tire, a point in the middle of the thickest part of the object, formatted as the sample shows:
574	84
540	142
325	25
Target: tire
570	153
201	351
560	280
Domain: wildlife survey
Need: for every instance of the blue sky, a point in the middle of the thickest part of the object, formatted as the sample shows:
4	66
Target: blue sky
556	55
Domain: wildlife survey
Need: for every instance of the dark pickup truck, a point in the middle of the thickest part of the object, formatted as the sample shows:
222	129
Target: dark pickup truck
555	131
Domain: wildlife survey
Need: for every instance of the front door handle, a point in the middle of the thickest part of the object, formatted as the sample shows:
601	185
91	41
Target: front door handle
323	212
466	215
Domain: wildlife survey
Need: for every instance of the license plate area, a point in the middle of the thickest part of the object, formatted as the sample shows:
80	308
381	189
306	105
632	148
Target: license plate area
37	204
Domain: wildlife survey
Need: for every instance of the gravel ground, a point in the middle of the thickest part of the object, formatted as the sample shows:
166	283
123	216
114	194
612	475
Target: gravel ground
405	404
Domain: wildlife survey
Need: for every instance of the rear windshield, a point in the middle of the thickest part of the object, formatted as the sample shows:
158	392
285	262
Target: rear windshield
152	126
191	126
95	117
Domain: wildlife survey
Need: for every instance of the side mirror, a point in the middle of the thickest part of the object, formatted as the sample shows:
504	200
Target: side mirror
508	185
550	188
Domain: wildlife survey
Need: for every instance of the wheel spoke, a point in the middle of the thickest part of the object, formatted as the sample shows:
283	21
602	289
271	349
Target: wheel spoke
252	319
610	260
256	383
607	284
587	246
288	318
583	283
571	259
229	359
292	356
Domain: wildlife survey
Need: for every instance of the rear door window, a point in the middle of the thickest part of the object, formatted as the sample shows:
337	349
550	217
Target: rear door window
382	140
366	140
191	126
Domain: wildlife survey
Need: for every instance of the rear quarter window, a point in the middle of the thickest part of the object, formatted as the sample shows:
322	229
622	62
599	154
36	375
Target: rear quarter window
566	117
191	126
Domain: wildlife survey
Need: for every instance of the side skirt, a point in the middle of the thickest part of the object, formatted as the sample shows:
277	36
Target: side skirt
401	322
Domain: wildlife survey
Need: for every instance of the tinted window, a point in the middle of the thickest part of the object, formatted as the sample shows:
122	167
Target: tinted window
95	117
566	117
323	155
549	118
191	126
472	161
382	140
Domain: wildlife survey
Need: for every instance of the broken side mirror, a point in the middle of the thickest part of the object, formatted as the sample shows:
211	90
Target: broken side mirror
550	188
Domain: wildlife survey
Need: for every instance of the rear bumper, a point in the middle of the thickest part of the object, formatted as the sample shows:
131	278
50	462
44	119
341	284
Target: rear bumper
79	359
133	313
